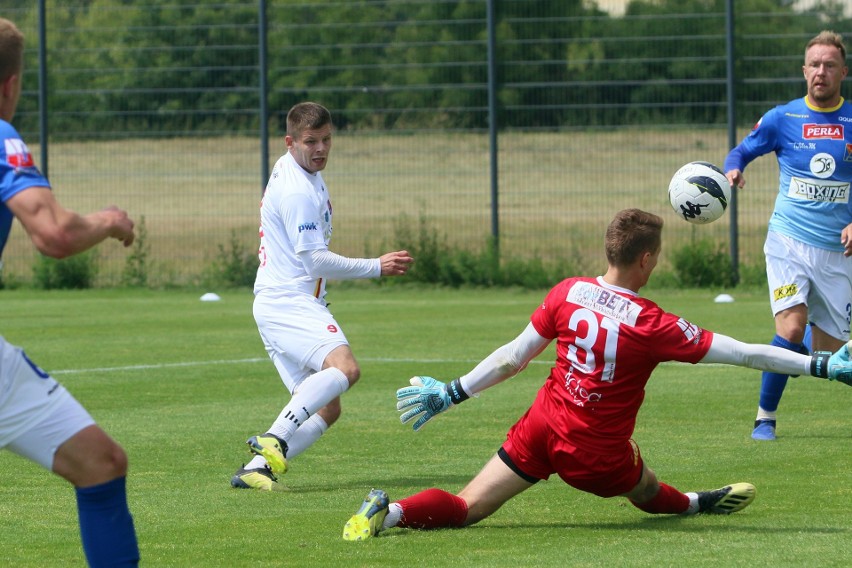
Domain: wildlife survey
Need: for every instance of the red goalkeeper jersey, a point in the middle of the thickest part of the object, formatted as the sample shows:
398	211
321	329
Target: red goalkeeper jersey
608	341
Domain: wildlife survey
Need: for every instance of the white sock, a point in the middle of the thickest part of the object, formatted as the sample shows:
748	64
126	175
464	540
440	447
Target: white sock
693	503
393	516
306	435
315	392
765	414
255	463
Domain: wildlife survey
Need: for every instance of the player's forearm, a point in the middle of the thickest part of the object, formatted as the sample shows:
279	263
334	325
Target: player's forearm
738	158
729	351
505	362
71	233
322	263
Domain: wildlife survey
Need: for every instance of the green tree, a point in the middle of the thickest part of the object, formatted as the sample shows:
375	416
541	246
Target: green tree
130	68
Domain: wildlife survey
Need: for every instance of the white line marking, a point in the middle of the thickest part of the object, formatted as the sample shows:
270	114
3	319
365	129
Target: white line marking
252	360
265	359
157	366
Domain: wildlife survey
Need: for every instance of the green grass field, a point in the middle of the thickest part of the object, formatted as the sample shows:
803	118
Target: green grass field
182	383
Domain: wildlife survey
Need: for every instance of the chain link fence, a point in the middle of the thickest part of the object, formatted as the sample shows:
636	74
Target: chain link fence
175	111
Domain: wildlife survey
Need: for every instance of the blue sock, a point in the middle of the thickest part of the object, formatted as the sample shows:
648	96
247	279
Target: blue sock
106	527
806	341
772	384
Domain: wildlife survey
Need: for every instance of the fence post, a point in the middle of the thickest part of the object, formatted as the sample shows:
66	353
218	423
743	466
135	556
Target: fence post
42	85
732	137
264	92
492	126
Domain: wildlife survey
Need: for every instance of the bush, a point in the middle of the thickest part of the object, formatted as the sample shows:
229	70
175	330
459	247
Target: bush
753	274
703	264
429	252
436	263
135	273
233	267
75	272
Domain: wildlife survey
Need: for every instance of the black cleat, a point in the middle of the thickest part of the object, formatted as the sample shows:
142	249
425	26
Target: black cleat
727	500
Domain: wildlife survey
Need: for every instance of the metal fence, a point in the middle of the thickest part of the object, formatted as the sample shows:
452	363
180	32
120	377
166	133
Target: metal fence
529	120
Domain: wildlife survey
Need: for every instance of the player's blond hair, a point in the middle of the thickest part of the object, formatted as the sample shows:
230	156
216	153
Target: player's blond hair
11	49
306	116
631	234
827	37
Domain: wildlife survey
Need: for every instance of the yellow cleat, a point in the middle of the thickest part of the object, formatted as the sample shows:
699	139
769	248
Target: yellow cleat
367	522
260	478
273	450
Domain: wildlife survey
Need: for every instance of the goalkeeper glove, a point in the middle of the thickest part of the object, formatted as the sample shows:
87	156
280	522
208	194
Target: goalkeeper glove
426	398
835	366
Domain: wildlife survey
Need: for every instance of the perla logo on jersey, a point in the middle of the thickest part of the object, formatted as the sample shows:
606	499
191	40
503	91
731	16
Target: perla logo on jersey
822	131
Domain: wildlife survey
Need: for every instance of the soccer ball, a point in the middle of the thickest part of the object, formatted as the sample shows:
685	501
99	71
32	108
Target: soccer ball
699	192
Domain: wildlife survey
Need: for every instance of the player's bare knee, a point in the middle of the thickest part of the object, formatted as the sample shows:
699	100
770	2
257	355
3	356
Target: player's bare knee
352	372
116	461
344	362
646	489
101	466
112	463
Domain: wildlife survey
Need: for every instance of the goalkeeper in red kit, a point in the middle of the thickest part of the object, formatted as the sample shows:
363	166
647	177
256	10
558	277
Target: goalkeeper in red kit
608	341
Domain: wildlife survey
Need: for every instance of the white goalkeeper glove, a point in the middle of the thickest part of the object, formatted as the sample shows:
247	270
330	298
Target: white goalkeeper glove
426	398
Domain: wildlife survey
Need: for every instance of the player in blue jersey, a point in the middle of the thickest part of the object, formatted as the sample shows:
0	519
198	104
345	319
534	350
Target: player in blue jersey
810	231
39	419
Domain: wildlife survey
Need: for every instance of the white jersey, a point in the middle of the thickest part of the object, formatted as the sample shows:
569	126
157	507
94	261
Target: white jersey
295	216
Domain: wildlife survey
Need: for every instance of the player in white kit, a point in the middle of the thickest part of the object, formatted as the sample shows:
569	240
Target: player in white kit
305	343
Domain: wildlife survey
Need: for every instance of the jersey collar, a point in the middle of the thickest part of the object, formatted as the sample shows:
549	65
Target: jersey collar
818	109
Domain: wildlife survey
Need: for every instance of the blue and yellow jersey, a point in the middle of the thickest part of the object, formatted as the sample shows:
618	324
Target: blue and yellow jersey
814	151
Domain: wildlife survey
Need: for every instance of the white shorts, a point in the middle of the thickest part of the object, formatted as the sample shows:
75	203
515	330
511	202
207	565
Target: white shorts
821	279
298	332
37	414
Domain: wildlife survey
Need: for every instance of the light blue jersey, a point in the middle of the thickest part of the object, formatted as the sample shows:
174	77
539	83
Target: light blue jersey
814	151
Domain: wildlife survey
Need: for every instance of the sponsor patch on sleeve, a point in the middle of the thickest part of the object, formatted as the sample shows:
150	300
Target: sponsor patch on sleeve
18	156
690	331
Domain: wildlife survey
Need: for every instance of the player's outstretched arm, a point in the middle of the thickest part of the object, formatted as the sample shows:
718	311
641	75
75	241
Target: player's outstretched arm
823	364
58	232
322	263
428	397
